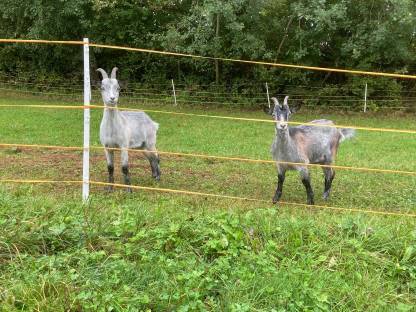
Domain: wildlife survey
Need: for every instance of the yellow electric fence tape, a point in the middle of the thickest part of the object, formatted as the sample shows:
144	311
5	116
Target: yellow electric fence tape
314	68
356	72
185	192
208	116
59	147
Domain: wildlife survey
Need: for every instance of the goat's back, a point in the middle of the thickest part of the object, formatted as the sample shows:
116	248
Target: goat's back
141	127
316	144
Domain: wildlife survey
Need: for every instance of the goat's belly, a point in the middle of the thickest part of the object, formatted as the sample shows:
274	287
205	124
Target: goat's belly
290	163
109	142
294	167
321	159
112	139
138	145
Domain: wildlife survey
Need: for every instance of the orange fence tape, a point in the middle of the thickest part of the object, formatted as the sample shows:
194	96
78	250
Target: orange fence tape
185	192
59	147
210	116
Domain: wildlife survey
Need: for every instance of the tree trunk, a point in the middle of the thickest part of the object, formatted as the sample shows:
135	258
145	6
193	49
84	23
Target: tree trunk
286	34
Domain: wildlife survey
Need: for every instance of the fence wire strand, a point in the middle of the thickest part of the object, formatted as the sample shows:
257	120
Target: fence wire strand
186	192
313	68
208	116
195	93
151	51
167	85
198	155
195	96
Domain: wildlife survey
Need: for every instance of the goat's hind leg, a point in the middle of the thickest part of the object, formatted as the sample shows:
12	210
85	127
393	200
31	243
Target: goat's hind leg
306	180
154	161
152	155
109	155
329	174
280	180
125	168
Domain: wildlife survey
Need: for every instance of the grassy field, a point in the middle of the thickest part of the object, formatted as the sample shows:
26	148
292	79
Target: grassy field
166	252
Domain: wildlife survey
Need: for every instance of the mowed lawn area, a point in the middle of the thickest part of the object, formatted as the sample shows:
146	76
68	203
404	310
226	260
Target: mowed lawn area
155	251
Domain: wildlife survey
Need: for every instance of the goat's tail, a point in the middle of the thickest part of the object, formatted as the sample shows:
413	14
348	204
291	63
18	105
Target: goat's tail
156	125
346	133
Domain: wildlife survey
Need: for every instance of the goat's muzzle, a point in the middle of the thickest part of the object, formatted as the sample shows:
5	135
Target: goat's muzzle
281	125
111	103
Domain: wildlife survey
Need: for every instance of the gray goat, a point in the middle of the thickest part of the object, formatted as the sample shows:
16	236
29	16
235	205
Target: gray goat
304	144
125	130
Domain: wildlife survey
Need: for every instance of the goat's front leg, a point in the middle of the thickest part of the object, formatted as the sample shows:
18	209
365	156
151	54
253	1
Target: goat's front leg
109	155
125	167
280	180
306	180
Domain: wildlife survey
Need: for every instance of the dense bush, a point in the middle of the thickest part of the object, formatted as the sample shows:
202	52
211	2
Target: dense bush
377	35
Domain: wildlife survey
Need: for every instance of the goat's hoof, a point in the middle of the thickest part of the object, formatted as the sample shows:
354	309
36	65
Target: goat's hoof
157	178
109	189
129	190
310	202
276	198
325	196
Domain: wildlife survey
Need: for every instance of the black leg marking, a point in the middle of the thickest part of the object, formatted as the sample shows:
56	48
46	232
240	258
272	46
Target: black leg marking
279	189
110	169
329	177
155	165
309	192
110	173
125	170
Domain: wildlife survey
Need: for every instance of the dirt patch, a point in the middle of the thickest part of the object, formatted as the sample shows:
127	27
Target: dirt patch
27	163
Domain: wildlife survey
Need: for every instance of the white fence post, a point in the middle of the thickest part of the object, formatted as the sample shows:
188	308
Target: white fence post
365	98
268	97
174	92
87	99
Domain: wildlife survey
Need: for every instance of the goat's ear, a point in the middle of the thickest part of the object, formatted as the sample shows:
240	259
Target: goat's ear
268	110
296	107
96	84
123	84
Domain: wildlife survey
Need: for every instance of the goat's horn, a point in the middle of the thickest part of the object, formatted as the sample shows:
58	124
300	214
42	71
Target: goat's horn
102	71
275	101
113	73
285	100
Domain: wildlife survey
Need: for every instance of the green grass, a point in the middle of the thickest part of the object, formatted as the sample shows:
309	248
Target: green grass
164	252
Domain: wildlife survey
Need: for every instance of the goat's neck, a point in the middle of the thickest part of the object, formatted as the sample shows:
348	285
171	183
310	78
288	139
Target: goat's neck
111	113
285	140
111	117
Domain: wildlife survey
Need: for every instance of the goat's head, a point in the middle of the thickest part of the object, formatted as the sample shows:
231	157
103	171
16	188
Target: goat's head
281	113
110	87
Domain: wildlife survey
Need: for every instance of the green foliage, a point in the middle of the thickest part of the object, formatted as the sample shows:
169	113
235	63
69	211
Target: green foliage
134	259
150	251
370	35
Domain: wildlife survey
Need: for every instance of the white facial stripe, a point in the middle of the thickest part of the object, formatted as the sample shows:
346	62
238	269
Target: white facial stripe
110	91
281	120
